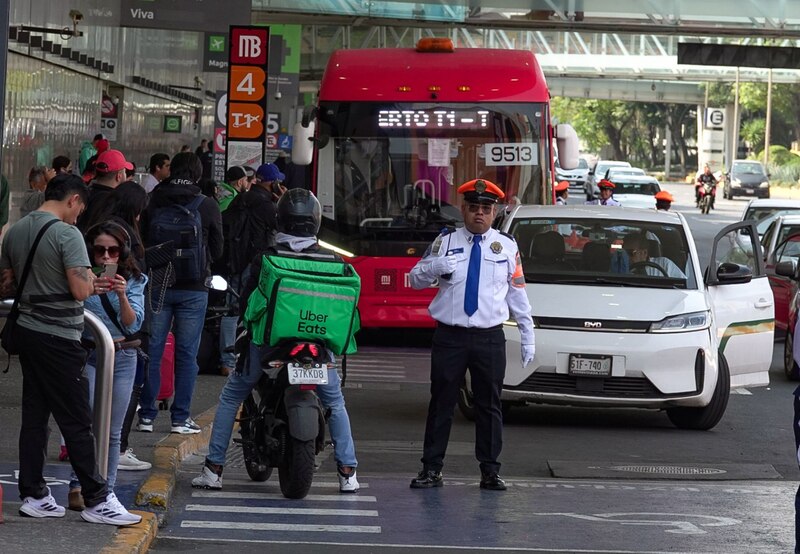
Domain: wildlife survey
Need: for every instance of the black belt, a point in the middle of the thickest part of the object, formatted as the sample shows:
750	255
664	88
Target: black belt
119	345
469	329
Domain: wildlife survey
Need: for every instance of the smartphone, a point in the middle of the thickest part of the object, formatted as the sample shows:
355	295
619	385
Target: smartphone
109	270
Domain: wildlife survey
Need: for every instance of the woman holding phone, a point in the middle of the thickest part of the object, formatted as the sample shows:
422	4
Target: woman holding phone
118	301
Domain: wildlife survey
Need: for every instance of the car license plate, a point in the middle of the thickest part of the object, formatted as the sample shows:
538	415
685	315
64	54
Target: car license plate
585	364
316	374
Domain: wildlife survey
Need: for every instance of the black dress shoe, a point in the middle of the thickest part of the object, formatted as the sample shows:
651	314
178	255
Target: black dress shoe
427	479
492	482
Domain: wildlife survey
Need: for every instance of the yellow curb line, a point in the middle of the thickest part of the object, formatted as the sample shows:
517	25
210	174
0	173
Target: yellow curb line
156	492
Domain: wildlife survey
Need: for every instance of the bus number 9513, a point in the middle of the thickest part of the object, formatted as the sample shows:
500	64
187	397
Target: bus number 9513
503	153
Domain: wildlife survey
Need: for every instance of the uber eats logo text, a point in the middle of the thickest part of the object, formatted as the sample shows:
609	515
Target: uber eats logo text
310	322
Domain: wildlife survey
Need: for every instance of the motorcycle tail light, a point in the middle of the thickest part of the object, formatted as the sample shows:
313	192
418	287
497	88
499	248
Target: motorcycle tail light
308	387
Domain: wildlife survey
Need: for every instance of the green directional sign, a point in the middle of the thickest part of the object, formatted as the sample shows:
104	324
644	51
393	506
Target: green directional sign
172	123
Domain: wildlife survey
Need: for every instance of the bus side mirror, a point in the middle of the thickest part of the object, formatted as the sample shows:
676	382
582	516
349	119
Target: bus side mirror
567	141
303	143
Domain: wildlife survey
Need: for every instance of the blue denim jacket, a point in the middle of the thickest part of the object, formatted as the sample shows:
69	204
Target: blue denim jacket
135	294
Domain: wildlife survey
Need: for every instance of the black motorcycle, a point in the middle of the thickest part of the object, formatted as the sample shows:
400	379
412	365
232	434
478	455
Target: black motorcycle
282	422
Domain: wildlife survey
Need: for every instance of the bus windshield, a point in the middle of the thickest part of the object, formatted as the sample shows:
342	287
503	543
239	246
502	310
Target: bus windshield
390	171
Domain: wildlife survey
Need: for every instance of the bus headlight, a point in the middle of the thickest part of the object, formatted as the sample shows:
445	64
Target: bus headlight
681	323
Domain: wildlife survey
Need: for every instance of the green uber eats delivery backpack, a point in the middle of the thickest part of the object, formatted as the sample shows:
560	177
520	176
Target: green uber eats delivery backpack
305	296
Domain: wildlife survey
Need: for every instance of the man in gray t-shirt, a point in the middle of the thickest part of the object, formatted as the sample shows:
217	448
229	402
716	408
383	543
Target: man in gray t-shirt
48	333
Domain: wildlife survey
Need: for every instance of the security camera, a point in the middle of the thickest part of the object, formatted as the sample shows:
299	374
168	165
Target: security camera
278	95
76	16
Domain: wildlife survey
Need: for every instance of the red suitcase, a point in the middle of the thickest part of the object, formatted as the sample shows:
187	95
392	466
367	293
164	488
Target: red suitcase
167	389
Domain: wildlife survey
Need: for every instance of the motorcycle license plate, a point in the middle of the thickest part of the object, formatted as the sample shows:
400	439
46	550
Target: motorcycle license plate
593	366
316	374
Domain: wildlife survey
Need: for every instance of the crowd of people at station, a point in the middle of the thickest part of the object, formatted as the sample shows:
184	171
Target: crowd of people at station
138	256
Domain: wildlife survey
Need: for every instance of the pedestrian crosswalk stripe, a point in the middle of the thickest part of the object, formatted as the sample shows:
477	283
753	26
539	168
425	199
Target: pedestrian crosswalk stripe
244	526
278	496
281	510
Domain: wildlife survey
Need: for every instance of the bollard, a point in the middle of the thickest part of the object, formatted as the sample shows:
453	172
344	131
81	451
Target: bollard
103	386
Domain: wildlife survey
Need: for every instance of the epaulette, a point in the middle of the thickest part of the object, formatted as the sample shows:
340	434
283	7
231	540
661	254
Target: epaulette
508	236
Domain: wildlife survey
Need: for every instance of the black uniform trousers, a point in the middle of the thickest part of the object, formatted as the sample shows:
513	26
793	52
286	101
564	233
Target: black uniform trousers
455	349
54	381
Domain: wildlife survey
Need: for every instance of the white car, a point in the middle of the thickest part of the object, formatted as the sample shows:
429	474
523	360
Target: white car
635	191
613	329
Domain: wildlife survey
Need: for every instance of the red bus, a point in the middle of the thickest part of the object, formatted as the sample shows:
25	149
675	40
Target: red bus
396	131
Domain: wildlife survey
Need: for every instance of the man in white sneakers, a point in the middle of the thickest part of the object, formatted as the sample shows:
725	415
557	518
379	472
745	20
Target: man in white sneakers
48	333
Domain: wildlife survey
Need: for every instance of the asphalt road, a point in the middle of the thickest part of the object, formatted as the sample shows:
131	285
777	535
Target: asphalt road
581	480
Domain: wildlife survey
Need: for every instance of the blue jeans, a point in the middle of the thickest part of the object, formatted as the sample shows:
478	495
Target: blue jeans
124	374
238	386
227	336
183	312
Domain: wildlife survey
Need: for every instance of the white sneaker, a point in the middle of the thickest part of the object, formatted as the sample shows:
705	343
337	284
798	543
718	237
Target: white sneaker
188	427
129	462
207	480
111	512
348	483
42	507
145	425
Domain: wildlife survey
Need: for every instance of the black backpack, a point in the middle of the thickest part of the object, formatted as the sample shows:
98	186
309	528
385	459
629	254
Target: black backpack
184	226
237	231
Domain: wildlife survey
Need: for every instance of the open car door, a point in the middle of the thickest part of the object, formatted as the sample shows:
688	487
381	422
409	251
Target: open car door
742	304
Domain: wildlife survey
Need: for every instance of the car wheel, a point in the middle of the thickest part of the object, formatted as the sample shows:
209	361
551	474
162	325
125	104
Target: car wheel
790	367
703	419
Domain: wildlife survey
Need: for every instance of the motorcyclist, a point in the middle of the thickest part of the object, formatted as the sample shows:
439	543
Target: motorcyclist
706	177
299	217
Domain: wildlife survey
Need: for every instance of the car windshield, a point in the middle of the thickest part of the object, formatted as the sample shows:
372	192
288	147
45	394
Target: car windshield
606	252
648	189
752	168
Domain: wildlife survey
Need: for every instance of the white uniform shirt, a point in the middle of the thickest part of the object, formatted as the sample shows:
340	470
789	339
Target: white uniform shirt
598	202
501	287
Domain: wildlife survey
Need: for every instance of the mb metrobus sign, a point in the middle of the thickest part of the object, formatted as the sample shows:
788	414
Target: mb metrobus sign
247	95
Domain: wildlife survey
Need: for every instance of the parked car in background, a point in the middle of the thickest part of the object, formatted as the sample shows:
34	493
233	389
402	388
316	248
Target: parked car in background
764	212
575	177
635	191
781	243
615	172
599	172
625	316
746	178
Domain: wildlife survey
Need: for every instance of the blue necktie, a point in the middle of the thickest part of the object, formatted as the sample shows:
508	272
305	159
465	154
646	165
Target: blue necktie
473	277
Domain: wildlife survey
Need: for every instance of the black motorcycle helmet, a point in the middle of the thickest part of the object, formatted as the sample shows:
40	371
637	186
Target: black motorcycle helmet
299	213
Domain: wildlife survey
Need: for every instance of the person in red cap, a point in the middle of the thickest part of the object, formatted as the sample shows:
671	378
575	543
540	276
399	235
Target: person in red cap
664	200
606	191
109	173
481	283
562	193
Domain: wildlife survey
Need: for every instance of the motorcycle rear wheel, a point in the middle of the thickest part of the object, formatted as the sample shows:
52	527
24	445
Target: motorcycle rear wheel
297	470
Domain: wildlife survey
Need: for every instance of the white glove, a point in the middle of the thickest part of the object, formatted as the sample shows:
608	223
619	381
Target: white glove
444	265
528	351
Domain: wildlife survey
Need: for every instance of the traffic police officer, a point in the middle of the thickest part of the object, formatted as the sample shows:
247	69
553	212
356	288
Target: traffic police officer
606	190
480	281
562	193
664	200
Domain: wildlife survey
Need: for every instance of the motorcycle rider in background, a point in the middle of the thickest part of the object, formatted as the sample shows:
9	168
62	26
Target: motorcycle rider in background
299	218
706	177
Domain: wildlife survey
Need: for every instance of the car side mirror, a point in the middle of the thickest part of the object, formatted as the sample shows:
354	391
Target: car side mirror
786	269
730	273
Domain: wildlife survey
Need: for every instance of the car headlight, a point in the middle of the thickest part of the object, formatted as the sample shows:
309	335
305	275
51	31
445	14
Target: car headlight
736	183
764	185
681	323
